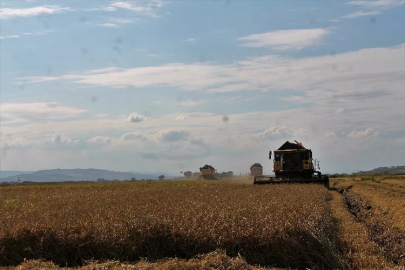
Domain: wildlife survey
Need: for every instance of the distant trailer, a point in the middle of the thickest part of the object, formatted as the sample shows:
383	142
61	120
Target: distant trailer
256	169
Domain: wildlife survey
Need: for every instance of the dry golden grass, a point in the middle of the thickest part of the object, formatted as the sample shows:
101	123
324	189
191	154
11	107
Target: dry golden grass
211	261
379	207
361	252
275	225
387	196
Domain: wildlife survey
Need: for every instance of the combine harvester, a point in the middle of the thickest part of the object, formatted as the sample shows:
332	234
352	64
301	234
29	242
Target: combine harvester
293	163
207	172
256	169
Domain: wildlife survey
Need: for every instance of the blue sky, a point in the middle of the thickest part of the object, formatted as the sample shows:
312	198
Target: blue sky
145	85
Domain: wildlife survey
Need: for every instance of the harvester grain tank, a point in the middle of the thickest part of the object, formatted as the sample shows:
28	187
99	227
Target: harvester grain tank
293	163
207	172
256	169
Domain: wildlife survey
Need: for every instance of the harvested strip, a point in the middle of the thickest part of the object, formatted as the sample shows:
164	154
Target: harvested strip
380	229
385	201
361	252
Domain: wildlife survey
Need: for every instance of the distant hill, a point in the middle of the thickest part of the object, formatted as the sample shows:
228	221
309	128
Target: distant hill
59	175
4	174
392	169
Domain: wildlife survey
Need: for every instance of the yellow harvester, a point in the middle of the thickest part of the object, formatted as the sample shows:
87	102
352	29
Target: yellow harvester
207	172
292	163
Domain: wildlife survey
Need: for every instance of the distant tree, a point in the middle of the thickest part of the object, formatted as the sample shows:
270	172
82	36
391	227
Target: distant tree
161	177
133	179
188	174
196	174
230	173
100	180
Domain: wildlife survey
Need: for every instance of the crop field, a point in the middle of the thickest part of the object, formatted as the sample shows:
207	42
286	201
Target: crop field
196	224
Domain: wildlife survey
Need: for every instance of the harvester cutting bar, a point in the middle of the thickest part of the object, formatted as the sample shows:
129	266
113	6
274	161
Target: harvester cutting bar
267	179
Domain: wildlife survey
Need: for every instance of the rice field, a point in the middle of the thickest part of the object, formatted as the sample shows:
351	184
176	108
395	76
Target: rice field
188	224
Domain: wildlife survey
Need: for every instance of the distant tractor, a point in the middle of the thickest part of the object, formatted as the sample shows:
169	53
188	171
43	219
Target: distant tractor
207	172
293	163
256	169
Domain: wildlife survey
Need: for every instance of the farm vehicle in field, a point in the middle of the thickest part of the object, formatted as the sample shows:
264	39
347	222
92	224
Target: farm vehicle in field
256	169
293	163
207	172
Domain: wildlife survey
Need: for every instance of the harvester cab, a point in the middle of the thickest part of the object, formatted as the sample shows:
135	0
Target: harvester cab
207	172
292	163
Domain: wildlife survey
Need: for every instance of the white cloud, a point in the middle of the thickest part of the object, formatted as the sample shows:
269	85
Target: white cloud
363	134
339	90
375	7
100	9
108	9
58	139
155	137
37	33
378	3
232	88
361	72
360	14
329	136
181	117
191	40
174	135
120	20
116	22
100	140
148	7
189	103
274	132
38	111
135	118
301	132
134	136
295	39
16	143
109	25
7	13
11	36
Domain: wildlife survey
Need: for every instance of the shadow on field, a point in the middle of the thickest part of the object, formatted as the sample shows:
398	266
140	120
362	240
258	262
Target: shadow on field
293	248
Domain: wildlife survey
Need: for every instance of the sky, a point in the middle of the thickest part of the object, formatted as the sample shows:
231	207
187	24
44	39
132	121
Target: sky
169	86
